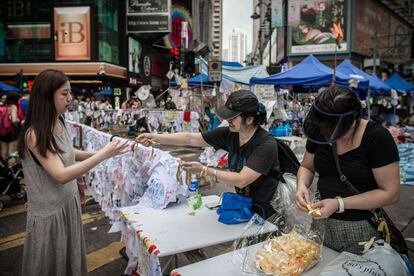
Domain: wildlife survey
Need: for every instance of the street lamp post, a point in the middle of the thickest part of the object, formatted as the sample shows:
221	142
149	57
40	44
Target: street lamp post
268	17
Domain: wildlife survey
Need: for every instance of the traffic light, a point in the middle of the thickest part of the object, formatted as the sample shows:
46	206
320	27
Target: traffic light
21	81
19	78
189	62
24	83
175	59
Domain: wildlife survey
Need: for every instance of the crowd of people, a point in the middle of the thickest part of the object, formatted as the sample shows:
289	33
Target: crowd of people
13	109
334	125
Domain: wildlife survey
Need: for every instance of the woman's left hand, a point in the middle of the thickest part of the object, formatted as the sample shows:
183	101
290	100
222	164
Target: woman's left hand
192	167
327	207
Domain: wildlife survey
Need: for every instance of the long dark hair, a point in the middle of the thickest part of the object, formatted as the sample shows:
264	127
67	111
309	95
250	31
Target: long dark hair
339	100
259	117
41	112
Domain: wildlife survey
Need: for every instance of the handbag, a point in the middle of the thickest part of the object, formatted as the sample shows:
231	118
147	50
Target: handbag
380	219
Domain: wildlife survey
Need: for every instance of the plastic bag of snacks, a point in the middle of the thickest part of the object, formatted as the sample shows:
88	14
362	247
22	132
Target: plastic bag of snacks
285	244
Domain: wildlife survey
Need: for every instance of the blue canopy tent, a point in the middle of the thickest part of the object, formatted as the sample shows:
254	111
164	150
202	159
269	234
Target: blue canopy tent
376	86
5	87
231	71
380	85
196	80
400	84
231	64
308	72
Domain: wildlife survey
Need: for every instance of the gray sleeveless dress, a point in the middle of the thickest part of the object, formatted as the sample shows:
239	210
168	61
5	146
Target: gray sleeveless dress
54	242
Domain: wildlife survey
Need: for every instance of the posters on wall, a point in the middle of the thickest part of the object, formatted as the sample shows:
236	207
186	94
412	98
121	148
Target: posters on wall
311	24
72	29
393	41
148	16
134	55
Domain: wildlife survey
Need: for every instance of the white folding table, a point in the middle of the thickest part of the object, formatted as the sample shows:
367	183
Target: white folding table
229	265
174	230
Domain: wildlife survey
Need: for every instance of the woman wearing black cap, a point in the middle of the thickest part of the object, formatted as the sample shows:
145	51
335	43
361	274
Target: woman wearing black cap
368	157
253	158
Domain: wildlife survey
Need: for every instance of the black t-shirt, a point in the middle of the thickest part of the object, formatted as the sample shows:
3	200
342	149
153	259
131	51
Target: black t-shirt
259	154
377	149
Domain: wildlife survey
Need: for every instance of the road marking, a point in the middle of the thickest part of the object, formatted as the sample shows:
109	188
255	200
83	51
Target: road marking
18	239
104	256
13	210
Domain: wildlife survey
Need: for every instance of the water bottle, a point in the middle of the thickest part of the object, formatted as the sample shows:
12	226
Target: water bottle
194	197
193	188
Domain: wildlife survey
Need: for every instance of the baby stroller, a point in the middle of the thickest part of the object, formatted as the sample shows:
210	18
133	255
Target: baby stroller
10	177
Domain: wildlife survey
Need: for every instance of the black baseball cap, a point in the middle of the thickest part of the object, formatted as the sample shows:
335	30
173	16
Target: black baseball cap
239	101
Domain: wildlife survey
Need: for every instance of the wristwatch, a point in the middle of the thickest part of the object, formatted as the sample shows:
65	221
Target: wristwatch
341	204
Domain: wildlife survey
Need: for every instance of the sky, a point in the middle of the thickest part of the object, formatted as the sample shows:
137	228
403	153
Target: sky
236	14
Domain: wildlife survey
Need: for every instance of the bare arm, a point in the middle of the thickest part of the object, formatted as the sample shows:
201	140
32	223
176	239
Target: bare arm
81	155
306	170
176	139
388	192
55	168
14	117
238	179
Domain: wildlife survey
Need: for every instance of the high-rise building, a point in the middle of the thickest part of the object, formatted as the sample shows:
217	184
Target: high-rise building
237	46
209	16
225	55
217	27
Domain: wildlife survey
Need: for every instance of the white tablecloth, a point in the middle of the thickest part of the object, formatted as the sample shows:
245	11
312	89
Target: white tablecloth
228	265
174	231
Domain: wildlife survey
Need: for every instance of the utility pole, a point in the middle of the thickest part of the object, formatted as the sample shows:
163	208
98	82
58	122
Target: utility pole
374	71
269	19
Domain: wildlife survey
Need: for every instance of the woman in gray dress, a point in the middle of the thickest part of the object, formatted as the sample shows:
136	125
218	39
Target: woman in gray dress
54	242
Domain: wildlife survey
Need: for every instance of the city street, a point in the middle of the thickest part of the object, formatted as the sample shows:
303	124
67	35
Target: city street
103	248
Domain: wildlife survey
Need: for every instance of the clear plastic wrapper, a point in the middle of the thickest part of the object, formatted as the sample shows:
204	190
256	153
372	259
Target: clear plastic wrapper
287	243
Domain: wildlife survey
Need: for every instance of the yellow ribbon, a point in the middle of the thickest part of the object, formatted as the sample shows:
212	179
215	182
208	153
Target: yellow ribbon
367	244
180	172
383	227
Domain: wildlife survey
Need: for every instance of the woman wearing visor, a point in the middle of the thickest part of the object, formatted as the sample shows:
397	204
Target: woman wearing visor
252	151
368	157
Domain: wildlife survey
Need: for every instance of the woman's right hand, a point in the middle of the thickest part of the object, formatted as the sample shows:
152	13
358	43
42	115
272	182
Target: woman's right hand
147	139
114	148
302	198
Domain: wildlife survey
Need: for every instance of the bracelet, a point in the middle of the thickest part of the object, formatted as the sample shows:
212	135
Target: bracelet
341	204
215	176
204	172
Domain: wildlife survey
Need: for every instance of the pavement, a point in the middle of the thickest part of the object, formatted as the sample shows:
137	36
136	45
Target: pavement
103	248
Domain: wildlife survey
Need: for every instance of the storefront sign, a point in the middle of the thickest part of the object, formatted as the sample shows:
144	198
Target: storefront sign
311	22
72	33
117	91
144	16
147	6
148	23
393	41
214	71
145	70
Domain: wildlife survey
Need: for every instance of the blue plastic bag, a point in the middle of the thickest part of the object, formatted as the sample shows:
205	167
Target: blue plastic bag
235	209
